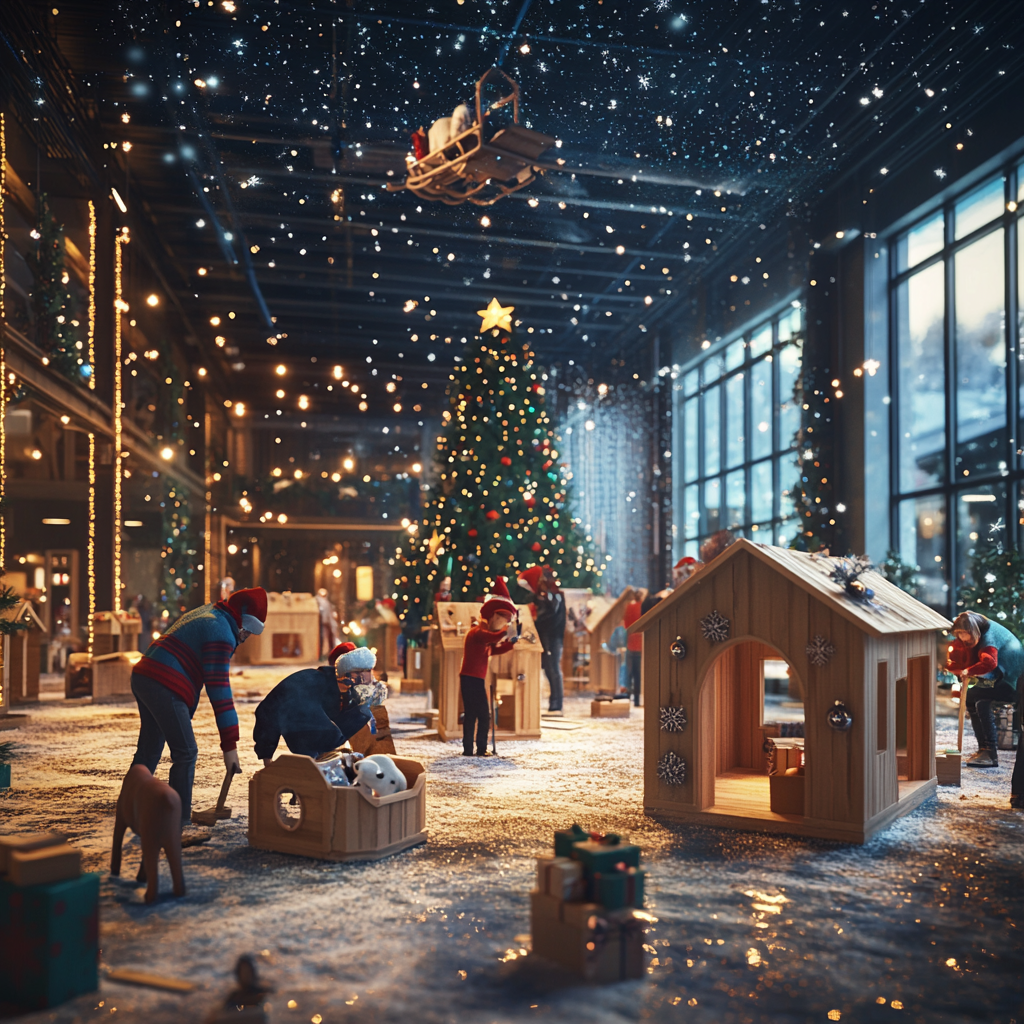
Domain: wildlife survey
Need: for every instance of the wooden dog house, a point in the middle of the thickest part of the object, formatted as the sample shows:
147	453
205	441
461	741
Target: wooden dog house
605	614
517	674
23	655
294	809
862	667
291	634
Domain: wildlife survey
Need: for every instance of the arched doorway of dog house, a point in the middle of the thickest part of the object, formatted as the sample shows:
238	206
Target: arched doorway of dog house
752	713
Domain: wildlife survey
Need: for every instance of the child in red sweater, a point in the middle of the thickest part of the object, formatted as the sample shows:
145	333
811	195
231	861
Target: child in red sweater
497	637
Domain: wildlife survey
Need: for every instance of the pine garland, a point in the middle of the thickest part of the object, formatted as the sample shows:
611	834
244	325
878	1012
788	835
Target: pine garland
502	502
815	443
53	305
178	552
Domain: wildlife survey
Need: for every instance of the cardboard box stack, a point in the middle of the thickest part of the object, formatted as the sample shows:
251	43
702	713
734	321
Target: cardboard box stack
583	910
49	922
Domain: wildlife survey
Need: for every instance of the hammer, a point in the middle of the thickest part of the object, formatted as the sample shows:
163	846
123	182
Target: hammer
214	814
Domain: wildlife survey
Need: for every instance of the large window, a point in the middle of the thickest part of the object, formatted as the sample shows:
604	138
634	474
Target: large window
738	424
956	471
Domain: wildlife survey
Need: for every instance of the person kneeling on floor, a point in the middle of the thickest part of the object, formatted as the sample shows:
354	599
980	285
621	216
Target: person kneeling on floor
318	709
989	659
496	637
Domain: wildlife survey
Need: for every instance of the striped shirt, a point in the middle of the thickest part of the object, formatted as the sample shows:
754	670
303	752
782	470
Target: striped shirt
193	653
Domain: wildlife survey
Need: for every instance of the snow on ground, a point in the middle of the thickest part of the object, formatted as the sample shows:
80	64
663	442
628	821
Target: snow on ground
920	924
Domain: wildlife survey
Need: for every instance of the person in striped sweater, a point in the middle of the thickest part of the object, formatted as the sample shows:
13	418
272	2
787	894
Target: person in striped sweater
167	683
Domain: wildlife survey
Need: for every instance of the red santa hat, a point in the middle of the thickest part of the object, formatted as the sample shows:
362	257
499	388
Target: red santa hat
498	601
347	658
249	609
684	561
529	579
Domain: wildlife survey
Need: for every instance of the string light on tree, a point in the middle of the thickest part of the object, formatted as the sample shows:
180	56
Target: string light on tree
502	501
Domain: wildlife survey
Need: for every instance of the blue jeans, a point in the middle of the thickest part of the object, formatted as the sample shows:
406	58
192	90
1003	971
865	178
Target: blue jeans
166	718
551	662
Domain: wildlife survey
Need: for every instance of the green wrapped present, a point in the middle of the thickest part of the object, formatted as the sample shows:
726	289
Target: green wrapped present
49	941
605	855
617	889
565	838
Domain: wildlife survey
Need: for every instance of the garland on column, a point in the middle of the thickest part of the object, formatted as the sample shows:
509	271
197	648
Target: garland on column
815	441
53	305
178	551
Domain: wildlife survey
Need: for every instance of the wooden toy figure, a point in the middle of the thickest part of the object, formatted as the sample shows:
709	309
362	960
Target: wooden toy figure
496	637
194	652
989	659
152	810
550	621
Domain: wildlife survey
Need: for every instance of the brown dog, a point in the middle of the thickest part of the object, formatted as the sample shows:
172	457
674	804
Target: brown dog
152	810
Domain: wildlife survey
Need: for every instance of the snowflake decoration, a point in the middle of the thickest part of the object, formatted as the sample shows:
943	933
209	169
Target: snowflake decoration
672	769
715	627
645	81
673	719
820	651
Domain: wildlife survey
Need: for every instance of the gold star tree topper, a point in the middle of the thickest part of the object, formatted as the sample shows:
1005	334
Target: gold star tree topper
496	315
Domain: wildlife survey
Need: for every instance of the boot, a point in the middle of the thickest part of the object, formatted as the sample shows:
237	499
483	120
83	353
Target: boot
984	758
1017	802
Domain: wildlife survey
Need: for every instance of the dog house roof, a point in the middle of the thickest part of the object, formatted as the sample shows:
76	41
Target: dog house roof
890	611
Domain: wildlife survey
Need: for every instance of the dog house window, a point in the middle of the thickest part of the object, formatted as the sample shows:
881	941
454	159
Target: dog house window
782	701
737	421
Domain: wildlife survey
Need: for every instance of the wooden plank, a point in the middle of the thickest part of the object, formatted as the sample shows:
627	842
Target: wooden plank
920	719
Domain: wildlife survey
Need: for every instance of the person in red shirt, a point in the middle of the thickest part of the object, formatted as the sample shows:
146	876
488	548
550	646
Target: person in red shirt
634	645
496	637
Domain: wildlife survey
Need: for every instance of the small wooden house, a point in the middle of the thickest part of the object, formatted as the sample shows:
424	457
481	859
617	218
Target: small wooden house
291	634
517	674
605	615
864	666
23	654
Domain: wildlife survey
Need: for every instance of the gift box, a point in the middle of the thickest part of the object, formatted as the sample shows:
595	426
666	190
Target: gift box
605	855
561	877
614	890
566	838
587	939
49	941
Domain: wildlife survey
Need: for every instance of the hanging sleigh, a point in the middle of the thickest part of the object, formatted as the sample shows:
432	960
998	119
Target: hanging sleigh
479	164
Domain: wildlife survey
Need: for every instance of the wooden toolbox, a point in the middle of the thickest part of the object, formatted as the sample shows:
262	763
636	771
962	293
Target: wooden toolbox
294	809
609	708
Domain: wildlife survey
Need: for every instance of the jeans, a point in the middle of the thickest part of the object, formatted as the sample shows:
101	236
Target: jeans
166	718
979	701
551	662
476	714
633	662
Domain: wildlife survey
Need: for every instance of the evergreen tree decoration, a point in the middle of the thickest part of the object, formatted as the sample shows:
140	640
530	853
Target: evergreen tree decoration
996	588
815	458
53	307
903	574
178	552
9	599
501	502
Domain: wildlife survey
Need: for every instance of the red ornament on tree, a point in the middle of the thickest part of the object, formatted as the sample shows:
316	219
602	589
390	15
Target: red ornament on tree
492	514
471	533
506	461
530	501
535	546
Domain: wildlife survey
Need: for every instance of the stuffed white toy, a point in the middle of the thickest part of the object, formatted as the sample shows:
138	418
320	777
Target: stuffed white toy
380	775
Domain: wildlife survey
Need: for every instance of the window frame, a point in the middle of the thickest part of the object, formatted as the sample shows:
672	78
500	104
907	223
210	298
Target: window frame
951	487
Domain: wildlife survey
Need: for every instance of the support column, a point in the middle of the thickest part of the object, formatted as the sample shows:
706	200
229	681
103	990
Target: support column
104	376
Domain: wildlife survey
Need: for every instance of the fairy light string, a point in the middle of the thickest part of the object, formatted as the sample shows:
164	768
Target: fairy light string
92	540
3	349
120	306
92	295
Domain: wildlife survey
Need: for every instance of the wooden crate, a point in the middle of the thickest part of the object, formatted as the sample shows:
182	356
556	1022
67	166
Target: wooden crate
291	635
609	708
112	675
517	674
333	822
947	768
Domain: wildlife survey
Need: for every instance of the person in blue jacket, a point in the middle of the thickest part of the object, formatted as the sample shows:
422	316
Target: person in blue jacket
318	709
989	659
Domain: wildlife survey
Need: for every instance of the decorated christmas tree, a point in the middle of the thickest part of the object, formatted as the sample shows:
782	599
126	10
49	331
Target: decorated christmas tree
997	587
502	500
56	329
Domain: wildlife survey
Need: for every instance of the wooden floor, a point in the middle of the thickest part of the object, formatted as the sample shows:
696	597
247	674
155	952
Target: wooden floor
745	792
